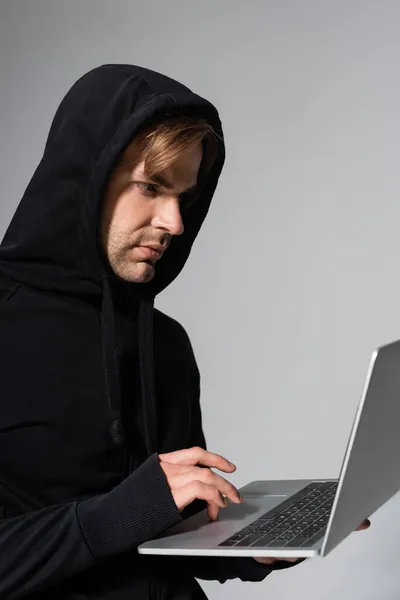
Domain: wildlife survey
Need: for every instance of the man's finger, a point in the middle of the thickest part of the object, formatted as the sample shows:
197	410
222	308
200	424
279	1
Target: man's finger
268	560
198	456
364	525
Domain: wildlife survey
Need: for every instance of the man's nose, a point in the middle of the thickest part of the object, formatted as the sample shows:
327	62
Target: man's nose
169	217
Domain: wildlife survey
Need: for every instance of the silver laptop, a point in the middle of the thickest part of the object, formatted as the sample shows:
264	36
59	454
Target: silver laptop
308	517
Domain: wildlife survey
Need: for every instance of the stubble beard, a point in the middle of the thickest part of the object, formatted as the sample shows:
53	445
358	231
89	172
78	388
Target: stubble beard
128	268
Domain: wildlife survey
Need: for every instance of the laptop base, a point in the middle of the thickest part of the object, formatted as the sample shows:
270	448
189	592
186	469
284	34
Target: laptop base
198	536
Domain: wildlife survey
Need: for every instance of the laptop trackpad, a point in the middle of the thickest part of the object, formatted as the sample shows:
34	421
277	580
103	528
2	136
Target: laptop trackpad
234	515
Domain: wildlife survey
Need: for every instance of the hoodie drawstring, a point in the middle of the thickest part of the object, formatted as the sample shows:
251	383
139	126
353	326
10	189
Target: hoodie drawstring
146	359
111	367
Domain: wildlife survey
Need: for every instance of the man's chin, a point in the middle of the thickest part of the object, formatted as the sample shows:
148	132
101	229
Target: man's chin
142	272
135	272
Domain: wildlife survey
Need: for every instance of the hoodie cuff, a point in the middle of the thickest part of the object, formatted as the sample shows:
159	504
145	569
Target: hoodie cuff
283	564
248	569
137	510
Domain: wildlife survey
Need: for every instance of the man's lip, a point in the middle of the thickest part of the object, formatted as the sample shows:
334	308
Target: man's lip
150	251
154	247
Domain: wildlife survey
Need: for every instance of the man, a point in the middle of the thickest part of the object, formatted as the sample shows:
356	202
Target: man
101	443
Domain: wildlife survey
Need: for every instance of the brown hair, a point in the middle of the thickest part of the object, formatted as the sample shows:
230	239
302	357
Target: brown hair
165	142
160	145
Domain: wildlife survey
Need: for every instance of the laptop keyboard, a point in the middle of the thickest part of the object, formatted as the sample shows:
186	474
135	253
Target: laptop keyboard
298	521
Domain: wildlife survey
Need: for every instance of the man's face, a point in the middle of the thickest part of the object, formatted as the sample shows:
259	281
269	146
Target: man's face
140	212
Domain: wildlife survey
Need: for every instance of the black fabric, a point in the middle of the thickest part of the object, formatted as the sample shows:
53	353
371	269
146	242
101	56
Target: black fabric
95	382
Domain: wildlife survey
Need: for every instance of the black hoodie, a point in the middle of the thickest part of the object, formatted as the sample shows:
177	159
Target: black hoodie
94	381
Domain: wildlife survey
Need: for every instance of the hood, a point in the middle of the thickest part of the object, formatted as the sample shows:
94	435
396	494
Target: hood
51	243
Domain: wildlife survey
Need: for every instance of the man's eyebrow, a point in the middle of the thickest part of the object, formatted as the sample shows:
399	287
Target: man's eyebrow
163	182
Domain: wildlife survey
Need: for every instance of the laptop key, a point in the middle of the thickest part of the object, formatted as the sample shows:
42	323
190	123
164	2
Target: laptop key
296	542
246	532
227	543
278	543
250	539
263	541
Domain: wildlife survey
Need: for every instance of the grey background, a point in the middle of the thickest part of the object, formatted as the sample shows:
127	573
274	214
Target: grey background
294	278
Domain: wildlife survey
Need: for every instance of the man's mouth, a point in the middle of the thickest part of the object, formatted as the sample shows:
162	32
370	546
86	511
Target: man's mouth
149	253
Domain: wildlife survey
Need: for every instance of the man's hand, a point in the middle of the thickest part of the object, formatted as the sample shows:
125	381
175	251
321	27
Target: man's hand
268	560
188	481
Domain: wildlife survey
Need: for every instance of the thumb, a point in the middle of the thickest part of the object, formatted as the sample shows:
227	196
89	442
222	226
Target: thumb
364	525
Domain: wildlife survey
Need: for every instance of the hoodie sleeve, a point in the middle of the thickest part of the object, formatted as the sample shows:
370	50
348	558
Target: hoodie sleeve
43	548
217	568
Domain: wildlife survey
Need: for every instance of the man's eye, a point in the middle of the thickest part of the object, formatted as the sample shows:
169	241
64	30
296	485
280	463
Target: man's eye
148	189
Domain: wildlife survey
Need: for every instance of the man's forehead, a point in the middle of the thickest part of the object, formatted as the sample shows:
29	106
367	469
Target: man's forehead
131	151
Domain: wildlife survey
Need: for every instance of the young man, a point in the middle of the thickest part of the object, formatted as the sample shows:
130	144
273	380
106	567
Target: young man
101	442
